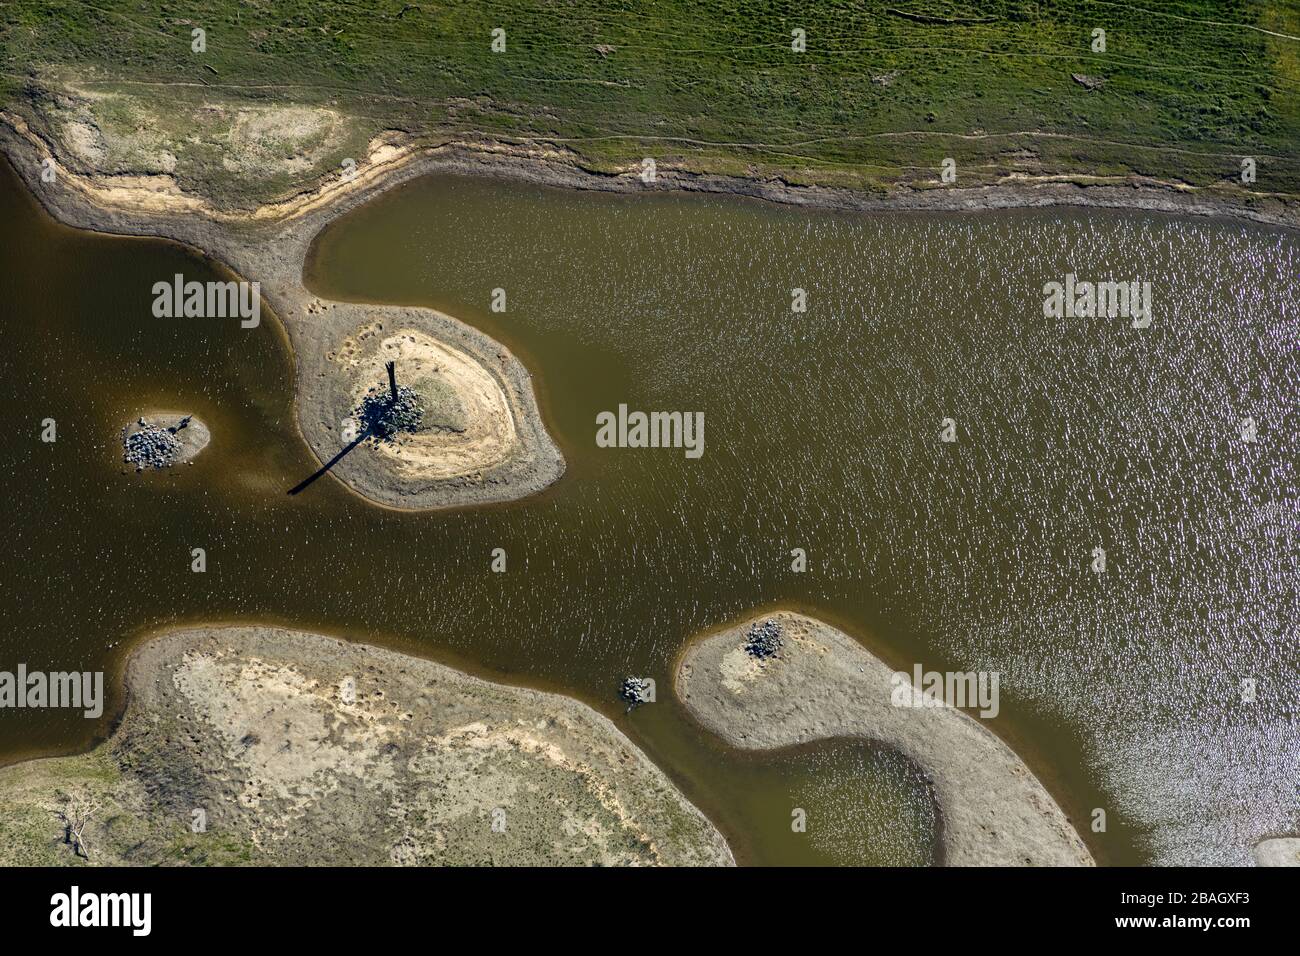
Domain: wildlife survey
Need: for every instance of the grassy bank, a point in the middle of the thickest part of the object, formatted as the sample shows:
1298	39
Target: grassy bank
883	93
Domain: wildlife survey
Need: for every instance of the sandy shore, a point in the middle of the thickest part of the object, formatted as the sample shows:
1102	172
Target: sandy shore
512	455
823	683
193	438
297	749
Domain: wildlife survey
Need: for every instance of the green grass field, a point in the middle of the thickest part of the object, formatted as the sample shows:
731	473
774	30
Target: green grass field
884	91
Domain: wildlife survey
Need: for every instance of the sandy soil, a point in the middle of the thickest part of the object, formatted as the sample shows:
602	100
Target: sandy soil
300	749
1278	851
152	190
994	811
394	157
468	425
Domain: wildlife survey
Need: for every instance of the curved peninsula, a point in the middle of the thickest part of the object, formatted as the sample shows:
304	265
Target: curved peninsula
269	746
821	683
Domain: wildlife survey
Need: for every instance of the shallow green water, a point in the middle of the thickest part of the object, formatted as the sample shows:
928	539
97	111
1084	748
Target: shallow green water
1121	689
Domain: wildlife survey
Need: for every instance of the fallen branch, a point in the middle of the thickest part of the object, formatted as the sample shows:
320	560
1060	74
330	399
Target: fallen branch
75	818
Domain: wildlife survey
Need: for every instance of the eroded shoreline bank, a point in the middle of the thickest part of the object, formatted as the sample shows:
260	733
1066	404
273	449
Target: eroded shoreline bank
395	157
236	740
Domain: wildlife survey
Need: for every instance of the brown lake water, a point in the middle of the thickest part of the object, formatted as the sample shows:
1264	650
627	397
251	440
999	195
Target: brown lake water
1123	690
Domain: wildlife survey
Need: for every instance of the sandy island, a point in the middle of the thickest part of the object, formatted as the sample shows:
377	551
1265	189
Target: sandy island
192	438
822	683
284	747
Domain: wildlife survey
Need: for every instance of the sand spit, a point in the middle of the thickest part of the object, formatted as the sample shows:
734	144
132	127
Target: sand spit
275	747
507	457
823	683
191	433
1278	851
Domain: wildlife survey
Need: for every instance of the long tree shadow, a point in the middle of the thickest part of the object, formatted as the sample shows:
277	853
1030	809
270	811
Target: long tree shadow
332	462
375	418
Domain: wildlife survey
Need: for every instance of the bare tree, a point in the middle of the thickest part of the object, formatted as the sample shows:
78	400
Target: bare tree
75	816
